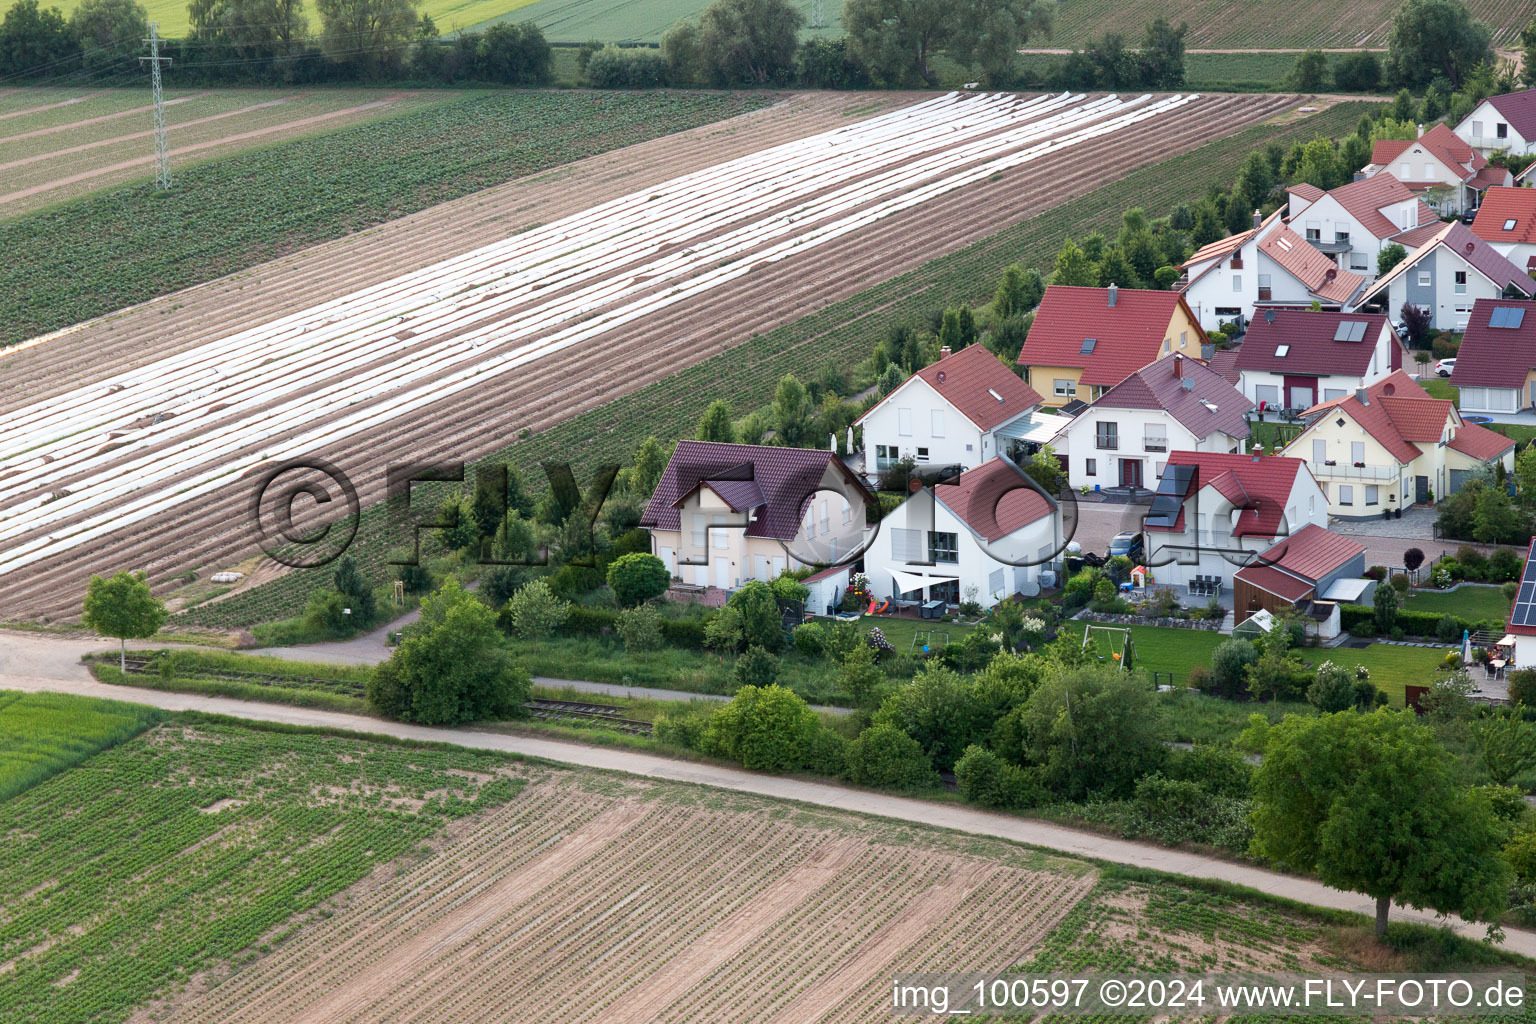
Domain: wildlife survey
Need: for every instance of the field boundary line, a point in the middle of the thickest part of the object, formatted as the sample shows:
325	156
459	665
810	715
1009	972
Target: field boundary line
4	140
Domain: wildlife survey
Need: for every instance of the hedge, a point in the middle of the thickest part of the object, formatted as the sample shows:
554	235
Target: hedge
685	633
1410	622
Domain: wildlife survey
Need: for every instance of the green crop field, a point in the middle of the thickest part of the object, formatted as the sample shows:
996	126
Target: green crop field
116	248
624	21
175	22
180	849
840	332
44	733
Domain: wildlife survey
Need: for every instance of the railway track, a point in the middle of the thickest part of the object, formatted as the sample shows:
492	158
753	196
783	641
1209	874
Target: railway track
145	666
586	711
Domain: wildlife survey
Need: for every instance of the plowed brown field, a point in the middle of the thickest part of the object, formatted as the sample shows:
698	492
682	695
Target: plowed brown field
210	529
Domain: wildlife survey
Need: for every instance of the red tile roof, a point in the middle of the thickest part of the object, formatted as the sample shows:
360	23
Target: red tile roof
1312	552
1157	387
1478	254
1273	581
1317	272
1480	443
1224	362
1310	335
1411	240
1501	205
1128	335
785	478
1441	143
1365	198
1490	177
968	380
1397	413
994	499
1519	109
1496	357
1266	483
1307	191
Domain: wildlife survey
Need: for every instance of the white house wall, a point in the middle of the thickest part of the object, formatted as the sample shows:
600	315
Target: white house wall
905	421
1328	217
1133	424
1479	130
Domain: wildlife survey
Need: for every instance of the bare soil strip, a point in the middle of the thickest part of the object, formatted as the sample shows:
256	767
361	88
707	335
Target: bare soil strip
72	125
560	386
50	106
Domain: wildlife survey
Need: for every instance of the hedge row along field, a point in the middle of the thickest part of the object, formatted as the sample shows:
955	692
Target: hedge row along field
98	254
180	849
44	733
840	332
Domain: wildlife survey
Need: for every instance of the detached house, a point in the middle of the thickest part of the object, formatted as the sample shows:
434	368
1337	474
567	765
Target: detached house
1354	222
1440	164
989	532
1312	572
1391	445
1496	365
1267	265
1449	271
1506	122
1084	341
723	514
1214	511
961	411
1123	439
1294	359
1507	221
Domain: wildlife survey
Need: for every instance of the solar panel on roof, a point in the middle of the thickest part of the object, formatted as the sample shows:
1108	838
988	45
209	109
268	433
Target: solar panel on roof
1350	330
1507	316
1524	611
1170	495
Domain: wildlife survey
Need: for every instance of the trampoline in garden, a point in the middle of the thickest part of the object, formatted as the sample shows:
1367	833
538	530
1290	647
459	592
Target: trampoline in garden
1481	421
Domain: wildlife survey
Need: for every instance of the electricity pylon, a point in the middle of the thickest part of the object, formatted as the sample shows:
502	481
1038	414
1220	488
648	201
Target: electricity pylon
162	151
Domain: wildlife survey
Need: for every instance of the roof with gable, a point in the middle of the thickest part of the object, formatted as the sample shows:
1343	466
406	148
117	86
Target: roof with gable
1208	405
776	481
1310	336
1480	443
1306	190
1416	237
1126	336
1321	276
978	385
1496	357
1519	109
1365	198
1401	415
1224	362
1500	207
1490	177
994	499
1478	254
1441	143
1215	252
1293	566
1259	485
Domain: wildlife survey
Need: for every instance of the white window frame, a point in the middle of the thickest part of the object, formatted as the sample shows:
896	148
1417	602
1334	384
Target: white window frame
937	422
1065	388
904	422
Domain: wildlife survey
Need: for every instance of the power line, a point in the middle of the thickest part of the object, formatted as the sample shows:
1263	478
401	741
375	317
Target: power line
162	150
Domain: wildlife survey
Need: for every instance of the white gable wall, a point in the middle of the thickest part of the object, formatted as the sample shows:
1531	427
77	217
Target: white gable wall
916	421
1480	130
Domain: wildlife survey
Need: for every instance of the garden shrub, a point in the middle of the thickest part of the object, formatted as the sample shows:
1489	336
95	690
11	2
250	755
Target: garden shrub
1399	582
1376	572
638	577
1229	667
883	755
1504	564
1522	686
1217	769
572	581
1448	629
810	639
988	781
764	728
684	727
755	667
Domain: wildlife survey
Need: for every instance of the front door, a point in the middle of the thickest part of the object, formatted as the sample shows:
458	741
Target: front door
1130	472
1421	489
723	573
667	558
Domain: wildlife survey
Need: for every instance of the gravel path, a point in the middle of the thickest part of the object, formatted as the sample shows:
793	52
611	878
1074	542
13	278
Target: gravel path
949	816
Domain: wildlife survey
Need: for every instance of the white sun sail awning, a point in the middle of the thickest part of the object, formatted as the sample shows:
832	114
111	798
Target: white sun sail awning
907	581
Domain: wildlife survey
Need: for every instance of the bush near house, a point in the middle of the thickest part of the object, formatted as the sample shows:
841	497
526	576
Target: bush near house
1412	623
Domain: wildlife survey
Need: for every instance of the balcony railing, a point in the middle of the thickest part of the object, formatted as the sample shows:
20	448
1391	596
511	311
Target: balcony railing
1344	471
1110	443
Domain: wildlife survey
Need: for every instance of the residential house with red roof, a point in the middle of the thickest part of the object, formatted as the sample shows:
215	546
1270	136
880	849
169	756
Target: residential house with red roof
1506	122
1268	265
723	514
1353	223
984	535
1296	358
960	411
1084	341
1123	439
1507	221
1520	640
1391	445
1449	271
1496	365
1312	571
1444	169
1214	511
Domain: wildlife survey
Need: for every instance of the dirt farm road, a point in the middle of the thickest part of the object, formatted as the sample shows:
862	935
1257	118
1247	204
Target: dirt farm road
947	816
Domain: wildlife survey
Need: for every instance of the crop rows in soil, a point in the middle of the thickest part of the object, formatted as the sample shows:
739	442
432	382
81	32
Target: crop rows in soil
628	357
569	905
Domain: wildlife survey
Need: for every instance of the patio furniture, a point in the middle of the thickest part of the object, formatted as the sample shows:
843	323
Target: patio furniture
933	610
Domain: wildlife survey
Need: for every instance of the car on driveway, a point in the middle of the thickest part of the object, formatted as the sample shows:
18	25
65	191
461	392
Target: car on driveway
1127	544
1445	367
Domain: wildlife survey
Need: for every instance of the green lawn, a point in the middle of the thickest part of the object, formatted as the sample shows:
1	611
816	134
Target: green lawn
1440	387
44	733
1467	602
1271	434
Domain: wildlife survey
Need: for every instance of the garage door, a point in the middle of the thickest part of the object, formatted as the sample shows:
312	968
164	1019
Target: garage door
1490	399
1458	479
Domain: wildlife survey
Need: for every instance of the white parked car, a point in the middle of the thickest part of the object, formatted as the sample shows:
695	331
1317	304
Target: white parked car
1445	367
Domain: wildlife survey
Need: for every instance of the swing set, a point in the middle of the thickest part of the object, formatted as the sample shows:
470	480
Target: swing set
1127	646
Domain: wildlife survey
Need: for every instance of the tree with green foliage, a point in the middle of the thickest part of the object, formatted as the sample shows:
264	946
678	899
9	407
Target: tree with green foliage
747	42
894	40
354	586
371	35
122	606
1094	730
1525	475
760	620
793	412
1160	61
764	728
1384	610
450	668
1310	74
33	41
1017	293
715	424
1044	468
1317	163
640	630
861	677
755	667
1115	269
535	612
1506	745
1528	55
104	29
939	710
1357	72
514	53
637	577
1073	267
988	780
1007	337
1371	804
1229	666
1494	519
1255	181
1431	38
1390	256
884	756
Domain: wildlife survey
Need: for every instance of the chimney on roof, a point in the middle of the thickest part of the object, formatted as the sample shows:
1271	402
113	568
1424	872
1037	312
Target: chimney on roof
1258	450
1178	365
944	352
1421	131
1258	218
1362	396
1114	295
